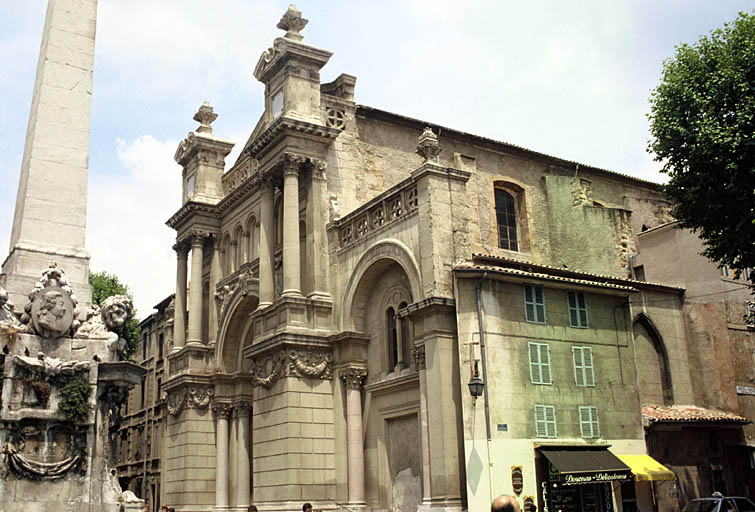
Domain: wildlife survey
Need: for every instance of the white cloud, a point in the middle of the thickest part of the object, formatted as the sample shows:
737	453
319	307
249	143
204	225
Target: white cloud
126	232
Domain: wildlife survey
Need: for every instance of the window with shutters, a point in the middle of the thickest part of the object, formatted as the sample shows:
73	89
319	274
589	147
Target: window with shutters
588	422
540	363
545	420
577	310
534	304
584	374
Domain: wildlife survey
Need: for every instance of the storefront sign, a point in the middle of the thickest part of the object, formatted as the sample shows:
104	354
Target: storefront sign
517	479
529	504
593	478
544	485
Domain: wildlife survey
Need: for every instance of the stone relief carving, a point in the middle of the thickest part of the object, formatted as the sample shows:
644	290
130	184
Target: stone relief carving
428	147
52	309
750	315
418	354
51	365
267	371
311	364
9	322
222	409
198	397
22	452
108	322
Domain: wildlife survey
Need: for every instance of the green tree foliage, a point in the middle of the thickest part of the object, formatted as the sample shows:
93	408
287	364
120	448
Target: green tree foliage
702	123
106	285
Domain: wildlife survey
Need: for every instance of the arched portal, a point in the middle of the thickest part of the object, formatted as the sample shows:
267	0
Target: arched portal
653	371
235	327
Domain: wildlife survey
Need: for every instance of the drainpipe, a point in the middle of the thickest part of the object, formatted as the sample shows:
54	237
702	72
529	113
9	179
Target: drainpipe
482	354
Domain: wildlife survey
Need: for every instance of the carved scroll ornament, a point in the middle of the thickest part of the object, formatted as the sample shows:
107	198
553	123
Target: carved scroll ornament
27	468
311	364
189	398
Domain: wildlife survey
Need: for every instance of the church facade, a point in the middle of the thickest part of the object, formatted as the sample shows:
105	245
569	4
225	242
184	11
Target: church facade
353	271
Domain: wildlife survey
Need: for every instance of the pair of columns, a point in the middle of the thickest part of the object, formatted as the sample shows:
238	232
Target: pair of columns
291	251
196	297
241	412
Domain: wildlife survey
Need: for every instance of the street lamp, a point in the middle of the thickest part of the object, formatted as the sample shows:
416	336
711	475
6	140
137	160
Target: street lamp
476	384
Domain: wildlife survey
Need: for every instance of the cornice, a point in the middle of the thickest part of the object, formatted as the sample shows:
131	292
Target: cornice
284	125
190	208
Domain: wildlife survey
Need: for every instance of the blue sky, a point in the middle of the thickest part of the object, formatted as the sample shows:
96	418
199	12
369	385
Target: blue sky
569	79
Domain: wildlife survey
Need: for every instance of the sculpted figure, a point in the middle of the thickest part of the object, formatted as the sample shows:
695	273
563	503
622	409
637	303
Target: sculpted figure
51	311
9	322
52	365
108	322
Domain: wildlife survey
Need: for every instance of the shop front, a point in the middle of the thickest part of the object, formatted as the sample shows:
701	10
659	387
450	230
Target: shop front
579	479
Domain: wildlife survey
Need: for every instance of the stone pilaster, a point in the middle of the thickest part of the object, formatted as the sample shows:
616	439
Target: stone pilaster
317	250
353	378
267	228
195	290
179	320
291	255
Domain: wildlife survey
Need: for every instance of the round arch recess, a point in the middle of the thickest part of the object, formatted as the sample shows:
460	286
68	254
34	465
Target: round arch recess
370	265
235	327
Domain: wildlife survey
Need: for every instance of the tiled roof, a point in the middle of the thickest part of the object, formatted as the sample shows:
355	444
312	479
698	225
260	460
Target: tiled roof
688	414
471	267
575	274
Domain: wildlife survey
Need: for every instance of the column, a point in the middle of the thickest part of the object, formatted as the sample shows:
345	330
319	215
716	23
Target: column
419	362
291	269
242	411
353	378
267	228
222	411
215	277
233	262
195	290
179	320
400	363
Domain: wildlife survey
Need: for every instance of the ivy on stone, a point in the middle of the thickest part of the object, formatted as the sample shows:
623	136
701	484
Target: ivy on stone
74	399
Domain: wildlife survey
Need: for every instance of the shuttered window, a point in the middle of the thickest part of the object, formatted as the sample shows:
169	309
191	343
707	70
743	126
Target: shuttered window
584	374
534	304
540	363
588	422
545	420
577	309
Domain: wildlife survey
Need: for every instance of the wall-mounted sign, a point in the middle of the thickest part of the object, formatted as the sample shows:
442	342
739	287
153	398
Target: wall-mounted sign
595	478
529	504
745	390
517	479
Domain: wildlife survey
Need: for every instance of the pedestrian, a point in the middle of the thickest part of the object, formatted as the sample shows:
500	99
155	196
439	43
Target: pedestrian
146	508
505	504
252	508
307	507
164	508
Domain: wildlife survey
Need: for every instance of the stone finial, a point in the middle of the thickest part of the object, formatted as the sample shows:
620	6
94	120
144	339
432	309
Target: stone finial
428	147
292	23
205	116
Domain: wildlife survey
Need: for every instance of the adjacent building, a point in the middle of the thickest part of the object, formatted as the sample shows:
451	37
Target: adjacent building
352	273
139	444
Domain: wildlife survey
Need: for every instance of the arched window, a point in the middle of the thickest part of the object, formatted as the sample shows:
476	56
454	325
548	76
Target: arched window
238	249
654	372
406	343
505	213
391	338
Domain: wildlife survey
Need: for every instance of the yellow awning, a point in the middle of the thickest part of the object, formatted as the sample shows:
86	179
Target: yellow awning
646	469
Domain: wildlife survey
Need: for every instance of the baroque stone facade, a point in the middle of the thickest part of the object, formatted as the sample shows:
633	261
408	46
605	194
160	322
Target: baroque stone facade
350	270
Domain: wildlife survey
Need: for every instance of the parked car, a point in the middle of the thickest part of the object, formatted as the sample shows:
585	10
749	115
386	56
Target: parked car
720	504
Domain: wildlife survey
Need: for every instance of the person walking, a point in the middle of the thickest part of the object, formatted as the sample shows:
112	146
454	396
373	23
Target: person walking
505	503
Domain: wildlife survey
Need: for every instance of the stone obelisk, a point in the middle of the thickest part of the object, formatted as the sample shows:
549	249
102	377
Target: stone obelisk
49	223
